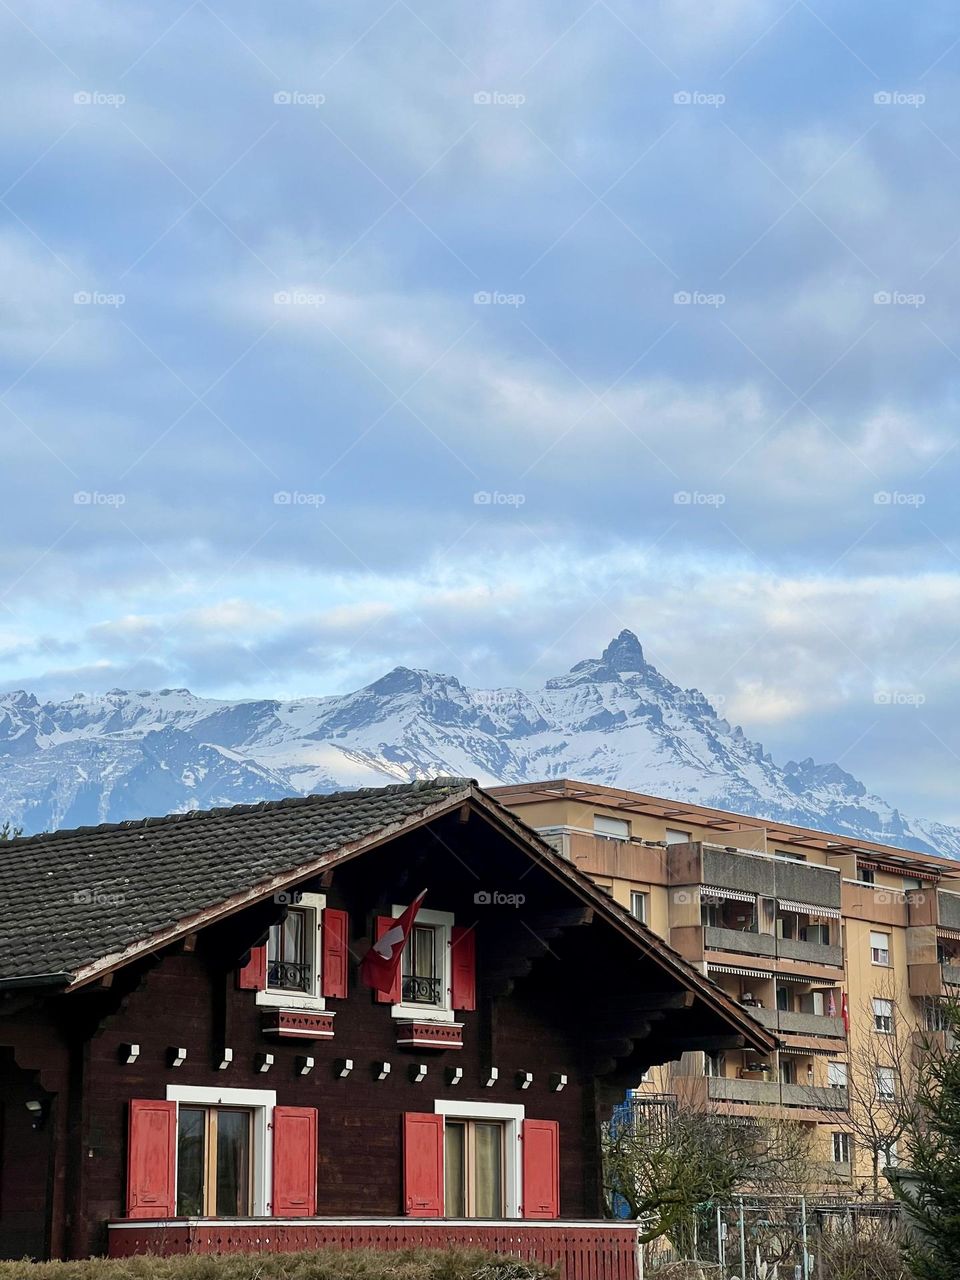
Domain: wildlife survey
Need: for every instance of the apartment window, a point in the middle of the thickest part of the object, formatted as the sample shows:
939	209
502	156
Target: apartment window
421	981
883	1016
638	906
885	1081
213	1162
788	1071
893	1159
612	828
841	1148
866	875
713	1064
837	1075
880	948
790	855
935	1016
677	837
910	883
473	1169
290	952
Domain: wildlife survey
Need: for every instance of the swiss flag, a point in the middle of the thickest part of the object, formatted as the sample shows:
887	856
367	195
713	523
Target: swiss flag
845	1012
378	968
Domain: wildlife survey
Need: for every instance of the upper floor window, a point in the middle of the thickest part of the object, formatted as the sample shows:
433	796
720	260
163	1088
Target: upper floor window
837	1074
867	875
790	855
612	828
886	1084
422	976
880	948
677	837
638	906
883	1016
841	1148
290	953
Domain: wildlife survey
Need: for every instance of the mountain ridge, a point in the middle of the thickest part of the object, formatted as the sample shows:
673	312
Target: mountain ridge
614	720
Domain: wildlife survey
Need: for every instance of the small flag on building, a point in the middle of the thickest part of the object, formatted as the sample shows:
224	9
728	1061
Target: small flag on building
831	1005
378	968
845	1013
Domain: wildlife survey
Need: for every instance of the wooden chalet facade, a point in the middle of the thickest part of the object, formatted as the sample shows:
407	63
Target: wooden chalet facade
188	1061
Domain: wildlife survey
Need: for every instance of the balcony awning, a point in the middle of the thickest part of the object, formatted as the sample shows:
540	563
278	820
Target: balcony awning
731	895
809	909
741	973
809	1053
943	932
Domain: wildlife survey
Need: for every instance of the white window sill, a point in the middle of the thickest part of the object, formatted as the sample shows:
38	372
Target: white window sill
290	1000
421	1013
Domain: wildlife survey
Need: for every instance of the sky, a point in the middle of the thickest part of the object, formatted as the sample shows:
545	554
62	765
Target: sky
335	338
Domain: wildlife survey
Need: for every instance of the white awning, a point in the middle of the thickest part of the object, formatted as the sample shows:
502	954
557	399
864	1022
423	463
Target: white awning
742	973
808	909
731	895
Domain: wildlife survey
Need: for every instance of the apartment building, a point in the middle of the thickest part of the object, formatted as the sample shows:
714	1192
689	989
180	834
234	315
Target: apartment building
842	949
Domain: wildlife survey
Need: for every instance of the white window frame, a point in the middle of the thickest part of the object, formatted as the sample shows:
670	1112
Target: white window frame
888	1076
675	831
844	1147
442	922
617	828
644	899
261	1102
511	1116
876	953
882	1016
277	999
837	1067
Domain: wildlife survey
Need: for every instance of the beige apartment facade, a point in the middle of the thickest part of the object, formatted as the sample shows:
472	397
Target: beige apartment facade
840	948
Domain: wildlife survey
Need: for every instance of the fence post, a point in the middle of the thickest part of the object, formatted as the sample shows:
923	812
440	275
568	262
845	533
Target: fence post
806	1251
743	1244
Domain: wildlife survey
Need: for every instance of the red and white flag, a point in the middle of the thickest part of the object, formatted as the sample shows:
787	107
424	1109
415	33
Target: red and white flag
845	1013
378	968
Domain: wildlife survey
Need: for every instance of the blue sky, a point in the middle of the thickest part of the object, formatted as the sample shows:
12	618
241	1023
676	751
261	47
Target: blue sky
284	288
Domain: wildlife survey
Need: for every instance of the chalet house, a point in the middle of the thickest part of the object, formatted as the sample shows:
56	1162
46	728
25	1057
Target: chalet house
188	1061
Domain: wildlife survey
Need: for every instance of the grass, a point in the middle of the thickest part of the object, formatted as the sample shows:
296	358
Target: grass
317	1264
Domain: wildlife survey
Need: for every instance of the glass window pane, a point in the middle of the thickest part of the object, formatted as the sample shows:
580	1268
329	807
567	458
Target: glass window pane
454	1162
190	1160
293	936
233	1163
425	953
488	1176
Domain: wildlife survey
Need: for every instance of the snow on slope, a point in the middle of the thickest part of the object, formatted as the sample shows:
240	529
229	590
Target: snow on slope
613	719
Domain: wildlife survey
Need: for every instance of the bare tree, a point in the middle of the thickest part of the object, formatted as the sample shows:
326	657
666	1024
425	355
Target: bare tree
8	832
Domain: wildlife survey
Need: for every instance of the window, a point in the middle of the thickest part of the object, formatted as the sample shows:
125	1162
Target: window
886	1090
880	948
293	961
677	837
638	906
841	1148
421	976
935	1016
788	1071
866	875
892	1158
790	855
473	1167
837	1075
213	1162
713	1064
883	1016
612	828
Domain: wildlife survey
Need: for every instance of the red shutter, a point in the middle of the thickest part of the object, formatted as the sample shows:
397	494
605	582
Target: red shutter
463	968
422	1164
335	937
152	1159
253	975
383	923
294	1162
541	1169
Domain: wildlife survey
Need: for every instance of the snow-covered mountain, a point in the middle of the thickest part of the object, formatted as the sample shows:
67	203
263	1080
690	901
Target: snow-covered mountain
613	719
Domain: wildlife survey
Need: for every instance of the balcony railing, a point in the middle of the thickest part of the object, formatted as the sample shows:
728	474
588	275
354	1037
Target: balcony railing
803	1024
285	975
751	944
812	952
951	973
772	1093
416	990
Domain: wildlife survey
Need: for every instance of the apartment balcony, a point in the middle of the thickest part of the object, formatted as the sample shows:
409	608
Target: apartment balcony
811	952
951	974
754	873
800	1024
774	1094
741	940
948	909
934	979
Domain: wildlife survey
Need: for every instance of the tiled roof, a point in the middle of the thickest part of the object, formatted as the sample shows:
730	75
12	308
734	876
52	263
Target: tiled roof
71	898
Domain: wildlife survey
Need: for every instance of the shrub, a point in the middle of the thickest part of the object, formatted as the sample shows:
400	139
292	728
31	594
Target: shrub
319	1264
